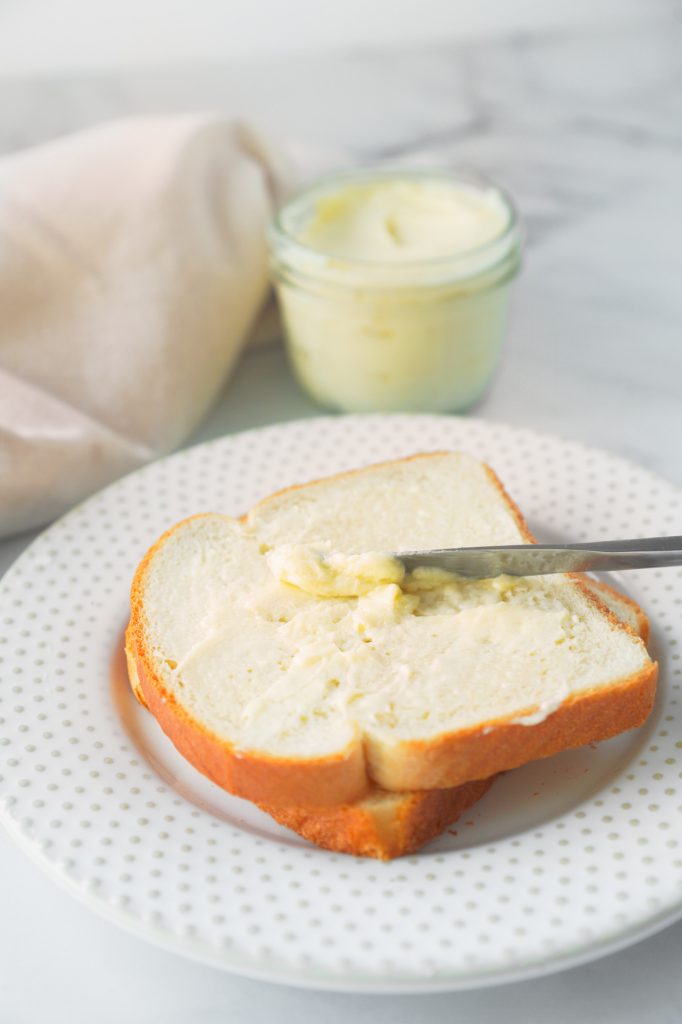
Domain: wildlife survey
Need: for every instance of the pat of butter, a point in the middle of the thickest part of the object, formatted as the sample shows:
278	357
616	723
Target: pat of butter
400	221
335	574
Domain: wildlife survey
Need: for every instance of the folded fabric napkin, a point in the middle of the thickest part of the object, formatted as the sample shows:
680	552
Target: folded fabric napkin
133	267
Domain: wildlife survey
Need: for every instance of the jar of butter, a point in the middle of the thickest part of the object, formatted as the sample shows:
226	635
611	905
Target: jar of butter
393	287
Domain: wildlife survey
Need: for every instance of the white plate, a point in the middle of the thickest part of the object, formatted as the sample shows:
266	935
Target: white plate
563	861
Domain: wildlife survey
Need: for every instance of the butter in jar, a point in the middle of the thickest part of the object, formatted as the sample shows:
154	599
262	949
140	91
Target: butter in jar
394	286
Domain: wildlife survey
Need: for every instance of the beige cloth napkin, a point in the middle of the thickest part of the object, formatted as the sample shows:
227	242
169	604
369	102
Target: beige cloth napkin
132	270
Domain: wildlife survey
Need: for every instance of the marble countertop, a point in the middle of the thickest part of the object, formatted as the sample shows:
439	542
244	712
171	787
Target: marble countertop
584	127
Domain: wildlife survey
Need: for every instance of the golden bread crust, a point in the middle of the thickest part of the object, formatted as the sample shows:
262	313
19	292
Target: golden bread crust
640	616
355	829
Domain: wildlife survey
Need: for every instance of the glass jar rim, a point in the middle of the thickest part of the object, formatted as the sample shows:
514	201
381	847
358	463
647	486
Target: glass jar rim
288	248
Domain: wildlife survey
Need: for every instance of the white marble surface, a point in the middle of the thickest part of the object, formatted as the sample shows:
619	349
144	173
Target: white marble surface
78	35
585	128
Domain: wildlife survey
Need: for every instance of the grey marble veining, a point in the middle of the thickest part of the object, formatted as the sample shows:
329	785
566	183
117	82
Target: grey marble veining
585	129
614	81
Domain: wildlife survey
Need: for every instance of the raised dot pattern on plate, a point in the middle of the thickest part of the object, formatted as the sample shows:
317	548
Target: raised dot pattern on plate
79	794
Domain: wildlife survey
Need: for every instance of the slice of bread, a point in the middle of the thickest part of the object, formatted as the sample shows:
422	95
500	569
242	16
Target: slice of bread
290	699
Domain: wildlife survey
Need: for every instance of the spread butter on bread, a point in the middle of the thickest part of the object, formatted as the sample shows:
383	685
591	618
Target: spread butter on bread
298	700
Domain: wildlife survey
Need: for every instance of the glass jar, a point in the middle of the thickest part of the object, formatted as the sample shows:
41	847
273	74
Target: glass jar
417	332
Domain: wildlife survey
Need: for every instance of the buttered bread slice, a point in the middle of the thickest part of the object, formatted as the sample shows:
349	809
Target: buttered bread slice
290	659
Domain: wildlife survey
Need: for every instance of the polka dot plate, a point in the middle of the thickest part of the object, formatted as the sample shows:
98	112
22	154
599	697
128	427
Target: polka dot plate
563	860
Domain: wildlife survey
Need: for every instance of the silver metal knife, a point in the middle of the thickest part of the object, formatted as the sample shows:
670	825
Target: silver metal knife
538	559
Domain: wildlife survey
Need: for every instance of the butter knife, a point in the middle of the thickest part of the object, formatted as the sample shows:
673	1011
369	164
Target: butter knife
539	559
